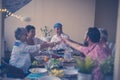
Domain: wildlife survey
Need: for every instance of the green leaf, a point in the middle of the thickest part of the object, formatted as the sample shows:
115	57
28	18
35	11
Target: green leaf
45	31
84	66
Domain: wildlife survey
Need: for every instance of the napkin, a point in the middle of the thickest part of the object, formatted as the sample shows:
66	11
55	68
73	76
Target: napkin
34	76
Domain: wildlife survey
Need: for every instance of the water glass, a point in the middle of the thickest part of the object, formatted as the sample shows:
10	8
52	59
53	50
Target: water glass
67	56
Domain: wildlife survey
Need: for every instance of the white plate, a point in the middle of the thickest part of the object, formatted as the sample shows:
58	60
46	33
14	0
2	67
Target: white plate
49	78
38	70
39	58
70	72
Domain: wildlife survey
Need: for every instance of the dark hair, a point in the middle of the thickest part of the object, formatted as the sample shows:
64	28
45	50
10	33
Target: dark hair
93	34
19	31
29	27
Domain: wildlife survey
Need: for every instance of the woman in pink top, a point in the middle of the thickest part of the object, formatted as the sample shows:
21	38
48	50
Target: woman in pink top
94	50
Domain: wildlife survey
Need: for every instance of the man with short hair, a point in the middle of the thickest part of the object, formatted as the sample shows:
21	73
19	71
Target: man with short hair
94	50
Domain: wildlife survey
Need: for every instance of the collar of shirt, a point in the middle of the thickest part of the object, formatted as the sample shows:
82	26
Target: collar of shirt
18	43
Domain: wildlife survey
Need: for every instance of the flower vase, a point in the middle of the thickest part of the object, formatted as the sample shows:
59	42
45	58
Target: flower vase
46	39
82	76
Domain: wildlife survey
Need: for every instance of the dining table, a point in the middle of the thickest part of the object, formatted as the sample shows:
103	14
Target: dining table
69	75
69	67
54	56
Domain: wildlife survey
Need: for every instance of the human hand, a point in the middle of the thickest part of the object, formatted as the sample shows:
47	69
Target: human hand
52	44
48	44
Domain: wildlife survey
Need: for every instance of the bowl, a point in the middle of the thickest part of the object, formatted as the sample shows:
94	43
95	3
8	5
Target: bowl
70	72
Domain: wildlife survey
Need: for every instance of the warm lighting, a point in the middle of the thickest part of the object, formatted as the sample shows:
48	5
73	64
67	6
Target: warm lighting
21	18
3	10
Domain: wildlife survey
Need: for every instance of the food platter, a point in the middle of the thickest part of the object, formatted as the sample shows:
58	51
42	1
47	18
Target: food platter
38	70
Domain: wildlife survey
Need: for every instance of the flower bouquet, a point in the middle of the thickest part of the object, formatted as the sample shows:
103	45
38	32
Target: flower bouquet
46	33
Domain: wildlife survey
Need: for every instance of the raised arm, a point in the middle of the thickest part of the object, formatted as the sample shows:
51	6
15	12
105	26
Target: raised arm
73	44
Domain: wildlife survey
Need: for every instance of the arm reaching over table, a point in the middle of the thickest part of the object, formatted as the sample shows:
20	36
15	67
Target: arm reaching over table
72	43
50	44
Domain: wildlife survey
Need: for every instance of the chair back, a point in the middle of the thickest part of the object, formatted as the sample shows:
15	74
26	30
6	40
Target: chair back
12	71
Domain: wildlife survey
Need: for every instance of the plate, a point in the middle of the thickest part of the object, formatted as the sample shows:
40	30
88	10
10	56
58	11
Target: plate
49	78
38	70
70	72
39	58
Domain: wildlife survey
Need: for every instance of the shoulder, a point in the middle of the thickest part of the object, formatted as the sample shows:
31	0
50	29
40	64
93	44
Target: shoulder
99	47
65	35
17	43
54	36
103	50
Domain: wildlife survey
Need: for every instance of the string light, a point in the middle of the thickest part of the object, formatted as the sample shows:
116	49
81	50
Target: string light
21	18
8	13
3	10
